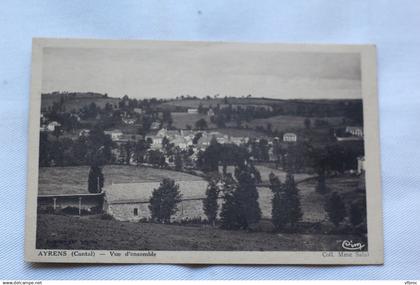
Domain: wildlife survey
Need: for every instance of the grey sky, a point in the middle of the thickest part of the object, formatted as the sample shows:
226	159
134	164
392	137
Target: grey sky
200	69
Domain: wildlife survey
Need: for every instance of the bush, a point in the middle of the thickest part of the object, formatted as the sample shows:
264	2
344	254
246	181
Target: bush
107	217
73	211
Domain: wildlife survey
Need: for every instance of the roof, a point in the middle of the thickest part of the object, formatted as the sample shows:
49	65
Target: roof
123	193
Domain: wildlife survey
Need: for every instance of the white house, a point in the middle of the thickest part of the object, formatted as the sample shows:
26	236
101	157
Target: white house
355	131
156	142
129	121
155	126
52	125
289	137
84	133
192	111
210	112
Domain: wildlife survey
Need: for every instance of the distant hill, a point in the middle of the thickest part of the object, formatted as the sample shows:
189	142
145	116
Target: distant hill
76	100
293	107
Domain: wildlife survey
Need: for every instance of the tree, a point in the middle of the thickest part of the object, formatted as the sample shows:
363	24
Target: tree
335	208
57	132
179	164
197	137
201	109
357	214
209	159
279	211
263	146
247	197
95	180
44	150
164	200
228	215
210	205
307	123
167	117
241	208
321	187
294	210
201	124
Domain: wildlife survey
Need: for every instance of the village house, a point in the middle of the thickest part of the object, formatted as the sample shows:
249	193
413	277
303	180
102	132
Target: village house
155	125
84	133
355	131
43	128
192	111
52	125
210	112
289	137
114	134
138	111
128	121
156	141
238	140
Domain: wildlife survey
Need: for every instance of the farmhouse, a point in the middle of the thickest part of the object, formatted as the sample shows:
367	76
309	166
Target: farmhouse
289	137
130	201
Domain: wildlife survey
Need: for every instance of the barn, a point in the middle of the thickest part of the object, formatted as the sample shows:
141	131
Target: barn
130	201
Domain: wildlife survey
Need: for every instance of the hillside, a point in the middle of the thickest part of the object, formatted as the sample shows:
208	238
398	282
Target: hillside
76	100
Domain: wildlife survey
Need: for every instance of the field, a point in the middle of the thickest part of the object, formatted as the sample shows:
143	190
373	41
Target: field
91	232
346	186
182	119
72	180
290	123
75	103
194	103
266	170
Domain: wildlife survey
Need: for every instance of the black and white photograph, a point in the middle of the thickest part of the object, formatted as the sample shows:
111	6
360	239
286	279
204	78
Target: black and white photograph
152	149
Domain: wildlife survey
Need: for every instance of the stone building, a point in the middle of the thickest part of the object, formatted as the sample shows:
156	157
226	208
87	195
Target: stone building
130	201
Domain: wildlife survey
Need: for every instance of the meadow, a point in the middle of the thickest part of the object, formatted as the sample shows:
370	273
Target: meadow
181	120
94	233
73	179
289	123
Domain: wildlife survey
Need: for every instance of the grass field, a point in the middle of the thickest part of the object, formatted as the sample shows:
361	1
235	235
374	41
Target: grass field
194	103
90	232
72	180
289	123
182	119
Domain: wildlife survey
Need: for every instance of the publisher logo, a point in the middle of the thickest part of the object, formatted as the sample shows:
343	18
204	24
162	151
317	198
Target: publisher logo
350	245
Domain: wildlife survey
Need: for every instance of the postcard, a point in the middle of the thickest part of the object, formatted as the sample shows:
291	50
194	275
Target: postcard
203	153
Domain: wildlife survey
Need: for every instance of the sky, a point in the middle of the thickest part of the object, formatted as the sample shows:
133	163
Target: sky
200	69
